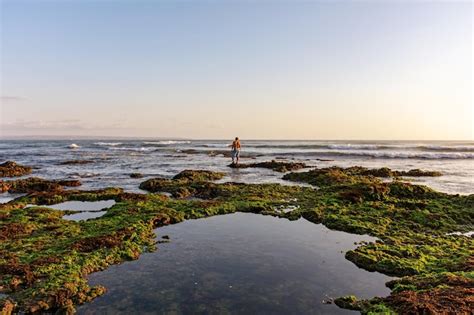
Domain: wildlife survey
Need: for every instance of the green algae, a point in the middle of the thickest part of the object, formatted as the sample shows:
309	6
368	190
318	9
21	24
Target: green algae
412	223
35	184
45	259
278	166
199	175
12	169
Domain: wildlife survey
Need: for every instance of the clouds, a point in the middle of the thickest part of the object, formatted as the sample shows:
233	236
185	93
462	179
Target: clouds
11	98
40	124
60	127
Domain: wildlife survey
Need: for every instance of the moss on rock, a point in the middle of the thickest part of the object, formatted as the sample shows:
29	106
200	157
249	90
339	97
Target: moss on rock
278	166
36	184
12	169
44	259
199	175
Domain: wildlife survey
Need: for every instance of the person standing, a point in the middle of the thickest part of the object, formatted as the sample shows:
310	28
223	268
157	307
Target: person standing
235	146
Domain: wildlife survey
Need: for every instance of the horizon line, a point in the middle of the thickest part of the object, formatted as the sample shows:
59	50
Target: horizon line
79	137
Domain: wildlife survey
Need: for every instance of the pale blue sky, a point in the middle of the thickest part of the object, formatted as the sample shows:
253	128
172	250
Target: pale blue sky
257	69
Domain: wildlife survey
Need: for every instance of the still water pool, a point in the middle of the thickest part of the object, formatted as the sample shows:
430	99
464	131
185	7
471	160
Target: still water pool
238	264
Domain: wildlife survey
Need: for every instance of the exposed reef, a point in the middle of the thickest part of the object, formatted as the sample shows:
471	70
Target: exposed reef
12	169
278	166
193	175
335	174
36	184
44	259
76	162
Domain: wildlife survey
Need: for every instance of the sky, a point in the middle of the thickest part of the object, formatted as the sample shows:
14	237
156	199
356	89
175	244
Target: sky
256	69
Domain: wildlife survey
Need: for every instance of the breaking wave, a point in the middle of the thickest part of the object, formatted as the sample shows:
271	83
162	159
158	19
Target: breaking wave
135	149
166	142
108	144
371	147
395	155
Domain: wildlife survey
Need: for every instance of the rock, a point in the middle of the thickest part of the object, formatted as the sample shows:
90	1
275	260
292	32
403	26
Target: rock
136	175
7	307
76	162
418	173
337	175
199	175
12	169
36	184
273	165
348	302
69	182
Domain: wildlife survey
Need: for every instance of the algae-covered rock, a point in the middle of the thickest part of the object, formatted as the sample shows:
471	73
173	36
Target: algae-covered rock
325	176
186	184
199	175
337	175
348	302
365	191
443	293
12	169
278	166
418	173
76	162
407	190
174	187
6	306
36	184
44	259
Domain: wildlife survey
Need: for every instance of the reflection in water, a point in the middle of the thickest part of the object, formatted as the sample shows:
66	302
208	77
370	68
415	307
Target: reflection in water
84	215
6	197
88	209
240	264
83	205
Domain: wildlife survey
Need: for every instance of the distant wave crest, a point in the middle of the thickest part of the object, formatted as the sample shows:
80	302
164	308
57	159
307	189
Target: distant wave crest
166	142
372	147
136	149
108	144
398	155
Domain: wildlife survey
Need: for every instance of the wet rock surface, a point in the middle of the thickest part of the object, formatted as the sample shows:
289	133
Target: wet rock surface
278	166
76	162
199	175
35	184
412	223
12	169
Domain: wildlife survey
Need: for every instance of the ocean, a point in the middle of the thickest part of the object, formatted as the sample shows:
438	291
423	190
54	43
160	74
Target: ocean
112	161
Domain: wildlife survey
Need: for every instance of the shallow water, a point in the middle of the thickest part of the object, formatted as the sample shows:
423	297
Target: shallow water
115	160
83	205
84	215
240	264
6	197
88	209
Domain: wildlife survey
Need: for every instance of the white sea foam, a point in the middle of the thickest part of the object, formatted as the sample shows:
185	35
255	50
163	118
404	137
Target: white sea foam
166	142
462	148
111	144
136	149
412	155
353	146
73	146
383	154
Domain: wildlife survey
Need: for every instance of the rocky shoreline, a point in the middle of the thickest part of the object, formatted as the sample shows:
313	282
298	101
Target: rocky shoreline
44	259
